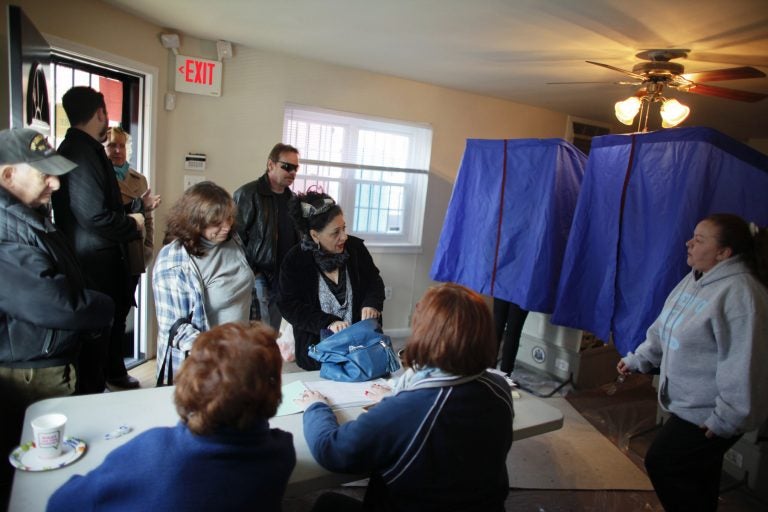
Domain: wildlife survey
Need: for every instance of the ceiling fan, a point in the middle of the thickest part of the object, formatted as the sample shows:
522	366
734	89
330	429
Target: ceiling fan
658	71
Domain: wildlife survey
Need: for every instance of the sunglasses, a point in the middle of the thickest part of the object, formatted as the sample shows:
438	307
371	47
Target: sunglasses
288	167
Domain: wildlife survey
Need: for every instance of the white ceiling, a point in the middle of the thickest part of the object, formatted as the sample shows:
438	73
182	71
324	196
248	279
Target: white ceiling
504	48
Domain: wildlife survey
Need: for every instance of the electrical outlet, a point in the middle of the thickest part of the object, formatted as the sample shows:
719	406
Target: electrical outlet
190	180
387	292
734	458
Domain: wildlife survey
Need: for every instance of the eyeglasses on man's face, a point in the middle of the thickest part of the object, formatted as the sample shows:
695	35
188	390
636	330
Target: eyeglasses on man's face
287	166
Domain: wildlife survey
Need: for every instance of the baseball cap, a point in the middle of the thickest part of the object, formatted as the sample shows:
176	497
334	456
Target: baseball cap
23	145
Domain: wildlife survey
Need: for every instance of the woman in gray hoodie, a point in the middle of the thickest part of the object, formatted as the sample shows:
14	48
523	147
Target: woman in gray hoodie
709	343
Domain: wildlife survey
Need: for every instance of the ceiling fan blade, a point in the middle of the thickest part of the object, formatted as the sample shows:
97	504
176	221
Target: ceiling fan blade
614	83
724	74
626	72
722	92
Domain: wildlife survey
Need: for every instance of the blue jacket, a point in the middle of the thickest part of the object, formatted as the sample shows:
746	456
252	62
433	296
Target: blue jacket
170	468
427	448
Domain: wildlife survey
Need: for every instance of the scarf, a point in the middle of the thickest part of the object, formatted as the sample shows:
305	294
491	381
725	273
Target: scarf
413	376
326	261
121	171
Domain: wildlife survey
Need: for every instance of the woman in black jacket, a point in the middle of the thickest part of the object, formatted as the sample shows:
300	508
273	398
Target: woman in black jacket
329	280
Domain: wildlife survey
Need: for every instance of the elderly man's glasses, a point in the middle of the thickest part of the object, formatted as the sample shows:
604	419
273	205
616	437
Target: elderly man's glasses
287	166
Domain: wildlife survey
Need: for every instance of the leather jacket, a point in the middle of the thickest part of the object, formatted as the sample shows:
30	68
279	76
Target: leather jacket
45	308
256	224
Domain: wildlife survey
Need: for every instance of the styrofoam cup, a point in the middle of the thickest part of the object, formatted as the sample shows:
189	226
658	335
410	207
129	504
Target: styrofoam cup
48	433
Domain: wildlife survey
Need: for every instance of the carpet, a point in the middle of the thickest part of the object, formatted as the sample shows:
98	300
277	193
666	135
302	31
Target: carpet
575	457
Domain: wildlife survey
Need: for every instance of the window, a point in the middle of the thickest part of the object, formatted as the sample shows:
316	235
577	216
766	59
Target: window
121	92
376	169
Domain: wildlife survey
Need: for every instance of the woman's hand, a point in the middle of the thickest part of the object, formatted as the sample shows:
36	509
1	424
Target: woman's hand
150	202
338	326
376	392
309	397
370	313
623	369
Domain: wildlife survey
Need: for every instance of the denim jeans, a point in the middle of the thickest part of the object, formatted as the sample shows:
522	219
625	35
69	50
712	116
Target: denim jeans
264	305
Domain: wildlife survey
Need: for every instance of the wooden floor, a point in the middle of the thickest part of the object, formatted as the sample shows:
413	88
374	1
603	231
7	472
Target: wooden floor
145	372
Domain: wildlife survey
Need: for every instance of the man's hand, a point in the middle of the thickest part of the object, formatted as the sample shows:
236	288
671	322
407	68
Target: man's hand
370	313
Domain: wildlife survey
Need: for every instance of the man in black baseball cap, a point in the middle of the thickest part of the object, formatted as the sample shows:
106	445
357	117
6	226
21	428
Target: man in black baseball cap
30	147
44	304
30	166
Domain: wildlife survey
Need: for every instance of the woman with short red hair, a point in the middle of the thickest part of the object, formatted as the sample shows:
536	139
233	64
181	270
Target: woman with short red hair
222	455
440	441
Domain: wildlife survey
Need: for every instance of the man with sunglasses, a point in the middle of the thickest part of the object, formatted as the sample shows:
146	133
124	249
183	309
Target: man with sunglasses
265	228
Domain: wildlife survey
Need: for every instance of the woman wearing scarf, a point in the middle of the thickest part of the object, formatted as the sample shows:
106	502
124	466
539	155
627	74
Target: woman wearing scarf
440	441
329	280
137	198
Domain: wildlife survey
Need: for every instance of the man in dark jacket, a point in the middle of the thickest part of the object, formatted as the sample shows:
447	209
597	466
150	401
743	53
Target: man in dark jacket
89	210
43	299
266	229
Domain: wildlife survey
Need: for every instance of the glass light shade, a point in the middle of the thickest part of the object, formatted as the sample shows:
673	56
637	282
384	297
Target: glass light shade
627	110
673	113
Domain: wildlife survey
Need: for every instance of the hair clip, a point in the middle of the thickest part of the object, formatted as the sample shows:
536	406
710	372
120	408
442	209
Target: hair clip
307	210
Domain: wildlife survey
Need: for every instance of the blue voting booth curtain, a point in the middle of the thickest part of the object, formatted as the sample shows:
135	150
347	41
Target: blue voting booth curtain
508	219
641	198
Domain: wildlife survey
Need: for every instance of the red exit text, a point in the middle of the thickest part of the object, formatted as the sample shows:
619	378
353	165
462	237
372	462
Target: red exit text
197	71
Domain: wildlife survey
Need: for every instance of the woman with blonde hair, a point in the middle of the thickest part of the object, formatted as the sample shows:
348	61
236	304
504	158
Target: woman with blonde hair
440	441
137	198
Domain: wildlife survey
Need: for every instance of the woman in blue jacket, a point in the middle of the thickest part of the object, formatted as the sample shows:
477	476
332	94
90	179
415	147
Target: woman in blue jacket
222	455
440	441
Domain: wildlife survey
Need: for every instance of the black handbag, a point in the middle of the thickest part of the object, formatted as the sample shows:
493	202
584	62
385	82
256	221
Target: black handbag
165	375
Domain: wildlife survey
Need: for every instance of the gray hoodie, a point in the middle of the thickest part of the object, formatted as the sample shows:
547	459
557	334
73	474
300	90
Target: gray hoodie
710	343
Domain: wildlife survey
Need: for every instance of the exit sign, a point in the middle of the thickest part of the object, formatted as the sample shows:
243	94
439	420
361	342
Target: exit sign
198	76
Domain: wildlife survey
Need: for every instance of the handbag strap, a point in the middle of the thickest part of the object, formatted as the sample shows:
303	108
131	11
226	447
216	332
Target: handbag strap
168	357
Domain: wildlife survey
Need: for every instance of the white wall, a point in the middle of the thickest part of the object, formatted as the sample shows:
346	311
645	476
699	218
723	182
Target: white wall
237	130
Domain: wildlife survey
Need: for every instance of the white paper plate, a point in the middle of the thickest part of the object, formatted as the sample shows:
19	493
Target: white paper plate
25	457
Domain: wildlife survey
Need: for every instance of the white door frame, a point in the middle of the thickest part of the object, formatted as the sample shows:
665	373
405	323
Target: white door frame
148	120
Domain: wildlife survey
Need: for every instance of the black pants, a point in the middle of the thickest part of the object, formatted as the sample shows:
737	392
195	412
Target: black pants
509	319
684	466
101	359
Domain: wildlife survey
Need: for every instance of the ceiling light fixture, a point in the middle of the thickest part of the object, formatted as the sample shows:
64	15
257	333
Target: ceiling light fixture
627	110
672	111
